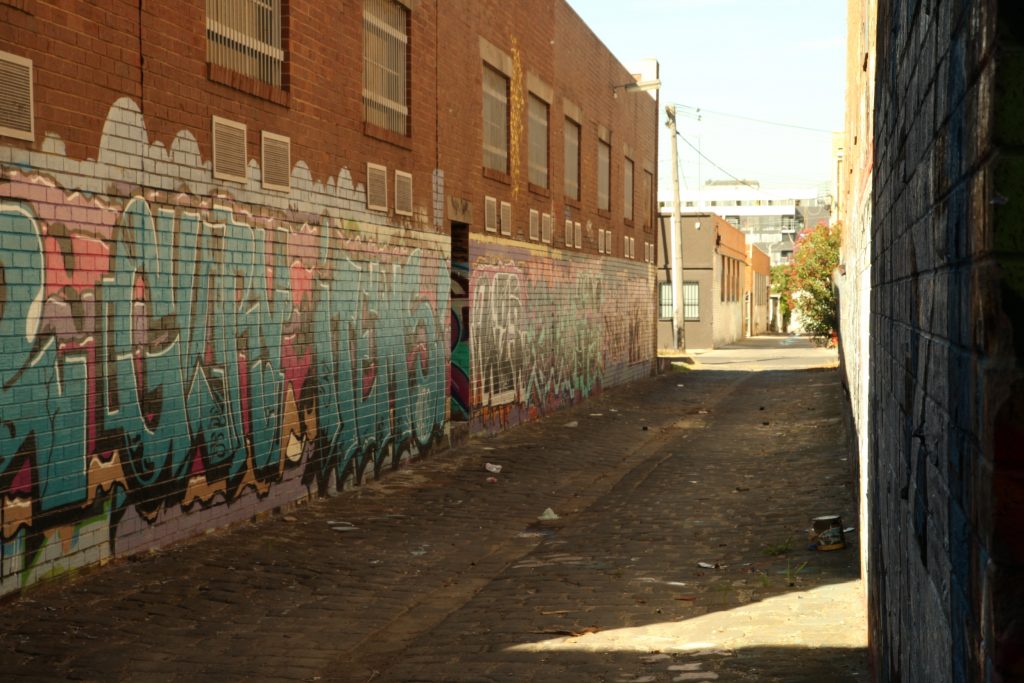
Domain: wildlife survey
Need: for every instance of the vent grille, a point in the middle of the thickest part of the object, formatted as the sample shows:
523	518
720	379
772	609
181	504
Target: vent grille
490	214
608	242
16	117
277	162
625	246
568	233
632	248
600	241
230	159
506	218
579	235
403	193
376	187
534	224
545	231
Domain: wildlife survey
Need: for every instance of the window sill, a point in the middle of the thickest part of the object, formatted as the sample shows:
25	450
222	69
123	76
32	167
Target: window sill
604	213
247	84
497	175
628	222
385	135
537	189
575	203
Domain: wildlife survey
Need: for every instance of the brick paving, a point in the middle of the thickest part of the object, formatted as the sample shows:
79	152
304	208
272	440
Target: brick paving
434	574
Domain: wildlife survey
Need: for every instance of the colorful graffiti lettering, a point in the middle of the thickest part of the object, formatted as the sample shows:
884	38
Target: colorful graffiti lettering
546	333
165	356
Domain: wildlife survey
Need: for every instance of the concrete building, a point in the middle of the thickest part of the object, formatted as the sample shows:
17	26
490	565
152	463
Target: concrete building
770	218
257	250
724	285
932	317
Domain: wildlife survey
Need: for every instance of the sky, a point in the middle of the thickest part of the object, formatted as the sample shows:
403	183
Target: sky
780	61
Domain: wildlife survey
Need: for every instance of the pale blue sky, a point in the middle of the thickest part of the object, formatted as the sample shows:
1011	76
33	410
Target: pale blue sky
777	60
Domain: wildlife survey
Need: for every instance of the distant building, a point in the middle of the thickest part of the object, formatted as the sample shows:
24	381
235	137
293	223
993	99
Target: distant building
725	283
770	219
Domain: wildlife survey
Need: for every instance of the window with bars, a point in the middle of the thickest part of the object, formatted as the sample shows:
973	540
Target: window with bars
691	301
538	133
495	120
604	169
627	189
385	65
572	159
245	36
665	300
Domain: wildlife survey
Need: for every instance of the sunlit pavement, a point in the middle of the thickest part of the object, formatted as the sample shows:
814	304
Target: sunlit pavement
768	352
679	554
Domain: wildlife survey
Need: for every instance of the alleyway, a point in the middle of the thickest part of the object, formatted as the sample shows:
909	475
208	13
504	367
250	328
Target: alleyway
437	574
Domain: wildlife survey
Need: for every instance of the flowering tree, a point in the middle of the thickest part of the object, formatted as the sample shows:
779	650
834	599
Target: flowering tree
815	257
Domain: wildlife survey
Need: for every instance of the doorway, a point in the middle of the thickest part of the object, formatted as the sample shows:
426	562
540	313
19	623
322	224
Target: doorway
459	385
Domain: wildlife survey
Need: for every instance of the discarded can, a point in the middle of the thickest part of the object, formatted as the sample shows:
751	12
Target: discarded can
827	533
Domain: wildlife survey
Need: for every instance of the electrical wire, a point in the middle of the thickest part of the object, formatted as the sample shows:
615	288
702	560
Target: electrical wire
698	111
705	158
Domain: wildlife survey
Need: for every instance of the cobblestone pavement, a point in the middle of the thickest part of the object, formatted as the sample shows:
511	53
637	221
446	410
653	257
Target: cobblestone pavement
447	577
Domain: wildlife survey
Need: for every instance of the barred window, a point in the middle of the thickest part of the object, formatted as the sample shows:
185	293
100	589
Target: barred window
385	65
538	132
495	120
691	301
572	159
627	189
665	300
245	36
604	156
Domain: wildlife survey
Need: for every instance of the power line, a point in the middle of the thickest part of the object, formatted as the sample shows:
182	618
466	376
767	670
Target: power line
697	111
705	158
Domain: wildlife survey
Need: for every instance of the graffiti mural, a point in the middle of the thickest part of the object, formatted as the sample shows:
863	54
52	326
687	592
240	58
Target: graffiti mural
459	383
167	355
548	330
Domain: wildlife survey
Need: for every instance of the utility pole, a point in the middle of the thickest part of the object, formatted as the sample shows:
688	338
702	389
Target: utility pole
678	319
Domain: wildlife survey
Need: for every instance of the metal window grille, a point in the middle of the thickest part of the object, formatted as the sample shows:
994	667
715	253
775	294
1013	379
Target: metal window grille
604	156
572	159
665	301
627	189
538	133
600	241
691	301
495	120
385	65
245	36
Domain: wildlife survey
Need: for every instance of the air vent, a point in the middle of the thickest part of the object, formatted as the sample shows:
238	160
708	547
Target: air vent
277	162
490	214
568	233
600	241
376	187
608	241
16	117
632	248
230	159
625	246
579	235
534	224
403	193
506	218
545	228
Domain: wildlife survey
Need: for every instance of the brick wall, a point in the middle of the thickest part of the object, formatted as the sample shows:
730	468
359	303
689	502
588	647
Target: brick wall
946	353
192	351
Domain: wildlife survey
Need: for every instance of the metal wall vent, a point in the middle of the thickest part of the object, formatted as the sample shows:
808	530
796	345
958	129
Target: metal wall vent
230	158
506	218
534	224
16	116
608	242
403	193
568	233
600	241
490	214
545	228
376	187
578	235
277	162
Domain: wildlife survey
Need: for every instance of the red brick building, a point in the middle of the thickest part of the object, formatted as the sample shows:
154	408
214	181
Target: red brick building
255	249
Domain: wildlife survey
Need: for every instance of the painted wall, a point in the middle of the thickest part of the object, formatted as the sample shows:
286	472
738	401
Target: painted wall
549	329
174	361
